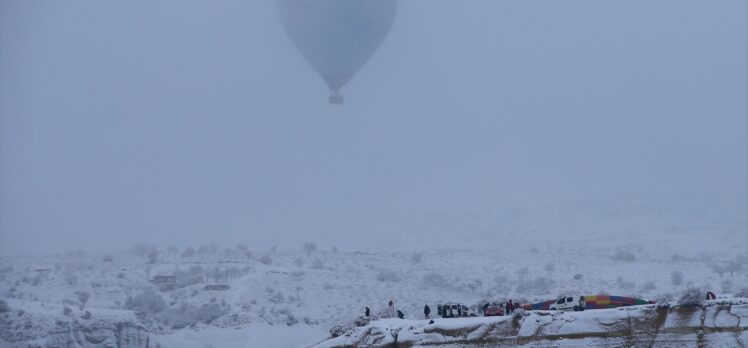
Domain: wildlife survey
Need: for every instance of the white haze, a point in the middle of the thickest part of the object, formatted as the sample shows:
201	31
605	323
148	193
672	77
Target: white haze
191	122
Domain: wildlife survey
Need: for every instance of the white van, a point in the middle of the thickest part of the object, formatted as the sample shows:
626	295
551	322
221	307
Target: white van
569	303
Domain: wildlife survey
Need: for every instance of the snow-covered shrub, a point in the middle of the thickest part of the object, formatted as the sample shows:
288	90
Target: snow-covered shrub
146	303
706	257
83	296
188	252
309	248
276	297
298	262
623	255
663	300
501	286
71	279
677	257
726	285
717	268
743	292
317	263
676	278
691	297
37	279
153	257
142	250
470	285
298	275
219	274
648	286
534	286
578	276
186	314
211	249
416	258
340	330
523	271
288	317
388	275
266	259
734	266
624	284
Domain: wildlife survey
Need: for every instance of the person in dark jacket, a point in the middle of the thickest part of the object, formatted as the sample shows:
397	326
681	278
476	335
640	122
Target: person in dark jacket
427	311
511	307
506	309
400	314
366	311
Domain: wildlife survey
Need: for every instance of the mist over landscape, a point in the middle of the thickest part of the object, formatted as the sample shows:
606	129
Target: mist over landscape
485	138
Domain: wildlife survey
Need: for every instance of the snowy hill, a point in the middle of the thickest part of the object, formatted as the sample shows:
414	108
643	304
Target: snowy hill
234	296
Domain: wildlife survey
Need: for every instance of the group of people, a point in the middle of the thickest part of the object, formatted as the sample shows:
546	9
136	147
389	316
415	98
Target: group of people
391	311
509	307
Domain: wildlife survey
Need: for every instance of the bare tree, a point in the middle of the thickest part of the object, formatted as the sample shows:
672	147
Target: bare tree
310	247
676	278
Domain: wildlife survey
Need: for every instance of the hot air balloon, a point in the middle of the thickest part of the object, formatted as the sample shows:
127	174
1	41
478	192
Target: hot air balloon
337	37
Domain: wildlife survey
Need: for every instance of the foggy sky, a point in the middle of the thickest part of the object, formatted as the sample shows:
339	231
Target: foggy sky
185	122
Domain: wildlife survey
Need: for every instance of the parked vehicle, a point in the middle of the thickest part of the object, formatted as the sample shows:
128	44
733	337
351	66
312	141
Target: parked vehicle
454	310
569	303
494	310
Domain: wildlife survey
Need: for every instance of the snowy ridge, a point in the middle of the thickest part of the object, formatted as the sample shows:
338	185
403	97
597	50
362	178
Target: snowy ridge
237	296
721	323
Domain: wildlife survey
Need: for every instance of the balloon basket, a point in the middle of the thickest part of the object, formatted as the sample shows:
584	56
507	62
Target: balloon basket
336	98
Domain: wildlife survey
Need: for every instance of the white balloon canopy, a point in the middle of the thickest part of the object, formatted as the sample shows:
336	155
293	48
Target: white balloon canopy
337	37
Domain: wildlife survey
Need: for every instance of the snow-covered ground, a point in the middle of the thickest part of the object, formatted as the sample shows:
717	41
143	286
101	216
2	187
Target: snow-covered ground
721	323
291	297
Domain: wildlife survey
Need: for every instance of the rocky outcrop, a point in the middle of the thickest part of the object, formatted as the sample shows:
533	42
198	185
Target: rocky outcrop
32	325
717	324
124	335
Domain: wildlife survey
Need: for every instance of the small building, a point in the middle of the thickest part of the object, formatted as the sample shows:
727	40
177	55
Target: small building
165	282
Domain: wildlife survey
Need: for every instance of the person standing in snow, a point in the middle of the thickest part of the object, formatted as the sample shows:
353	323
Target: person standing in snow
506	309
427	311
366	311
391	309
511	307
400	314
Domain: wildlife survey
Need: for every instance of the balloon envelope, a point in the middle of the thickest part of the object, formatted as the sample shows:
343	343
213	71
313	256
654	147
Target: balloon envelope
337	37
